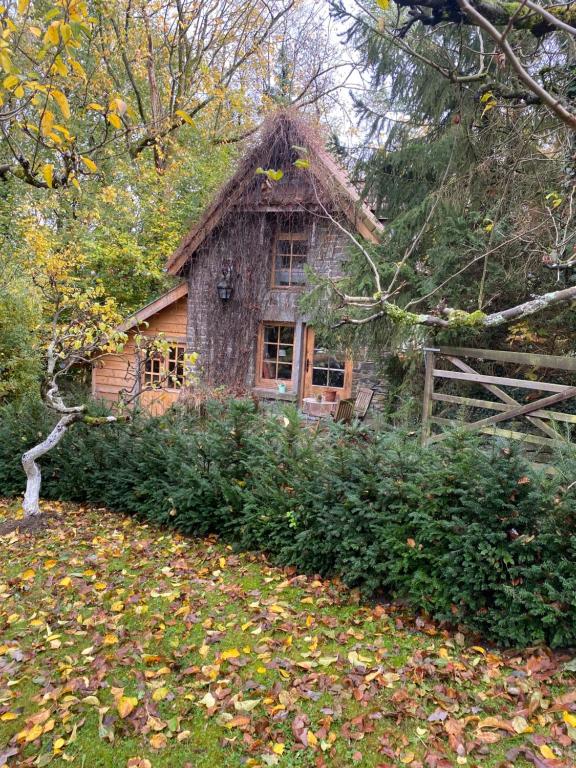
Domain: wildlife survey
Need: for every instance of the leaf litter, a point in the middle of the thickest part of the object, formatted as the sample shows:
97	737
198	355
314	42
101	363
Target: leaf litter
125	645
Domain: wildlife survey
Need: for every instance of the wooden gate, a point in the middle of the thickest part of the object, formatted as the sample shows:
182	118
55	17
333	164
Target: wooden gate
529	410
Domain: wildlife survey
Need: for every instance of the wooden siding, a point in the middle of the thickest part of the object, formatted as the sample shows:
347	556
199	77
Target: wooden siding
115	373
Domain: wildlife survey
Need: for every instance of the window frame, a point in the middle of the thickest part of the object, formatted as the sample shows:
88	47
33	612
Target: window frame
261	380
291	237
163	375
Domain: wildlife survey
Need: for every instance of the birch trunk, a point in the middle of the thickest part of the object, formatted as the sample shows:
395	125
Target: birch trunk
32	469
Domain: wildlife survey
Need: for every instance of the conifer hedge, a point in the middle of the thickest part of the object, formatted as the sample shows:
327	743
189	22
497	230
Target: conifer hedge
471	536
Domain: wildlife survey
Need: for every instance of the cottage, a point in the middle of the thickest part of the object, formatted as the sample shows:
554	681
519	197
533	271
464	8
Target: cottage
288	210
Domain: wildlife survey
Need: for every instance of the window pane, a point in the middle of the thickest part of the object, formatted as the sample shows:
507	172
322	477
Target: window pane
271	333
286	334
300	247
269	369
298	274
320	358
284	372
284	246
336	379
319	377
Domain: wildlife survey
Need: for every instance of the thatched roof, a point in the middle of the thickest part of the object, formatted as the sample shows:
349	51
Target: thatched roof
277	146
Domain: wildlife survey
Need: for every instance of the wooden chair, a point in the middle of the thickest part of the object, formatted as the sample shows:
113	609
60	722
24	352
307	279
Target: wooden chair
362	402
344	411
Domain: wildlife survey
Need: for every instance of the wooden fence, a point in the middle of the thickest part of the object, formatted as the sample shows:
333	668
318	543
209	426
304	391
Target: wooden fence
532	422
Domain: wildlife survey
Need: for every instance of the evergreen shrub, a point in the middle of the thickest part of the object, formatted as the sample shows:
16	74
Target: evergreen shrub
469	534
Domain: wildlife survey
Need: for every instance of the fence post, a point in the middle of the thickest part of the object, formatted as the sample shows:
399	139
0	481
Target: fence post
429	359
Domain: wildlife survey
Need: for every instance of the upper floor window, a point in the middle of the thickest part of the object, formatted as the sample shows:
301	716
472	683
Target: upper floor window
290	256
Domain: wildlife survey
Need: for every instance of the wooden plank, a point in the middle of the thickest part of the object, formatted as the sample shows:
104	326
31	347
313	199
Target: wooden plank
490	405
429	358
502	380
521	358
509	433
521	436
504	396
523	410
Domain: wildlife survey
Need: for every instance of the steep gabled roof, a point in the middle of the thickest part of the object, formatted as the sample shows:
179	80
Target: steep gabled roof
168	298
289	128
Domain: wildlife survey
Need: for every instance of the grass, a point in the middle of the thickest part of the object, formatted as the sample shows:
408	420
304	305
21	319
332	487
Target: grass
123	645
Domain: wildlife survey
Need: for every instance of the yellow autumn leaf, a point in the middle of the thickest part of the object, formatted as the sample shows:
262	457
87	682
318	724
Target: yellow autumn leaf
278	748
48	564
33	733
58	744
384	4
96	107
114	120
311	739
569	719
7	716
185	116
160	694
110	640
52	36
232	653
158	741
125	705
48	173
11	81
28	574
78	69
91	165
23	6
407	758
547	752
59	67
62	102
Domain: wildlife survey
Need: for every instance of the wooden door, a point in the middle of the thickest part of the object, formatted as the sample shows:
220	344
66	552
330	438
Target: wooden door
324	370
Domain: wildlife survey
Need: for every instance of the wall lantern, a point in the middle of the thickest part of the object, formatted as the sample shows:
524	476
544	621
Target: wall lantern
225	287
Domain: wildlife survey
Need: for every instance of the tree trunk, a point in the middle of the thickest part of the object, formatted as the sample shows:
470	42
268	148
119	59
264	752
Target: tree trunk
32	469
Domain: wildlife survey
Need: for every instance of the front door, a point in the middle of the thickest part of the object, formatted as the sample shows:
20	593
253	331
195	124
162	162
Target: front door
325	370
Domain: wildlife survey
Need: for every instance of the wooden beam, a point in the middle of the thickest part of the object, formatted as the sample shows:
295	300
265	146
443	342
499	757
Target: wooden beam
509	433
521	358
428	394
490	405
522	410
502	380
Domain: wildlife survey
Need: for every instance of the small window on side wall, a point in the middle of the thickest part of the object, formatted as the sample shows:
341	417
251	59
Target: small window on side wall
166	372
290	254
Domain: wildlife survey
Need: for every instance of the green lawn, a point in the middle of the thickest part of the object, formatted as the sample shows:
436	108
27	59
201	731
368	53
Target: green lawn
123	645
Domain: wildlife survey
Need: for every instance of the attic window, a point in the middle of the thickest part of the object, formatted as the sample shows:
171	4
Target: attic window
290	255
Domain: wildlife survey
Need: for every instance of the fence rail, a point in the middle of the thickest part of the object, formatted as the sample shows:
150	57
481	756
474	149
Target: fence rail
534	423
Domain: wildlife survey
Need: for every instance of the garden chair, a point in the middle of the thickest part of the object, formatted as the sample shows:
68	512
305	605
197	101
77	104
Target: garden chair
344	411
362	402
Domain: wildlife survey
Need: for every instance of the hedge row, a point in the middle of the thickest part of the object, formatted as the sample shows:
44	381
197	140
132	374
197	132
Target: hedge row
470	536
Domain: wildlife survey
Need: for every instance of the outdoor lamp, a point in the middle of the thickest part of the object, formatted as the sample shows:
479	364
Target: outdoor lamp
224	287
